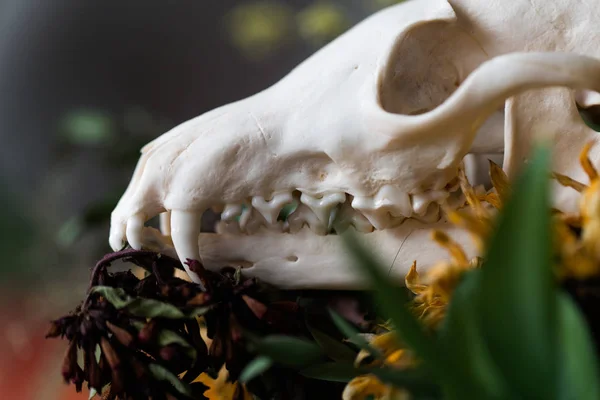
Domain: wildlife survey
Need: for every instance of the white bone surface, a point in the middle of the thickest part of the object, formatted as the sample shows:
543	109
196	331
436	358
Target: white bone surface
382	114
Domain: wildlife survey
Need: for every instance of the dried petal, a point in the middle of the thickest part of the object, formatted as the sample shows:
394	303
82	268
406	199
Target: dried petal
257	308
123	336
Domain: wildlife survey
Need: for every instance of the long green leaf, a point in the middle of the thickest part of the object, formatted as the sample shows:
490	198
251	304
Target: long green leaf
334	349
462	340
332	371
162	374
256	367
166	337
517	301
579	365
141	307
289	351
417	381
392	302
353	335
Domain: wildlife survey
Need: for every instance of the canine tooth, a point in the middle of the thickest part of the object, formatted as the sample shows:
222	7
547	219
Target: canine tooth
421	201
231	211
349	216
303	215
394	200
323	206
270	208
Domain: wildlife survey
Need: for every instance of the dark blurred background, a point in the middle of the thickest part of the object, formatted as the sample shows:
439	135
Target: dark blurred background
83	85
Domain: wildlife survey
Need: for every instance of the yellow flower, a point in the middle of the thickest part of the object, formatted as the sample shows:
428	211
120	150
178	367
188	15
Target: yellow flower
580	254
366	386
220	388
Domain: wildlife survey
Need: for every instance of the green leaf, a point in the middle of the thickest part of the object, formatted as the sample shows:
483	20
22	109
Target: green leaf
87	127
334	349
332	371
166	337
140	307
517	300
115	296
150	308
163	374
353	335
461	338
256	367
578	362
392	303
417	381
289	351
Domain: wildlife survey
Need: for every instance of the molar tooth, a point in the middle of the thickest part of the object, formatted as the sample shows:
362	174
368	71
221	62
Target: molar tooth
231	211
322	207
380	218
270	208
431	214
421	201
303	215
394	200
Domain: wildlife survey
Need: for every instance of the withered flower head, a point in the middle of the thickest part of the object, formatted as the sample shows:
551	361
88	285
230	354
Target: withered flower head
142	338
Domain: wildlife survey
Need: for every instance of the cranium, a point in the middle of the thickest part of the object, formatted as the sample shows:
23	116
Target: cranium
369	133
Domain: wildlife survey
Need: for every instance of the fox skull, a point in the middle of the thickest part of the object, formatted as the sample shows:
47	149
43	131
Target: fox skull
366	134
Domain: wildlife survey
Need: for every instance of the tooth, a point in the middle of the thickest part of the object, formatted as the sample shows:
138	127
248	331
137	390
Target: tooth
135	226
421	201
185	228
303	215
117	234
251	221
270	208
165	223
228	227
431	214
231	211
348	216
394	200
380	218
323	206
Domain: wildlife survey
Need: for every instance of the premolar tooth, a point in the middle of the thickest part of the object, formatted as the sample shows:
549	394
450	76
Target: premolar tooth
322	207
251	220
303	215
348	216
231	211
270	208
228	227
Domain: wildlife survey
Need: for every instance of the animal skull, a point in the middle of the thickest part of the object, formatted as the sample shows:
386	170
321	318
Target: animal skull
369	133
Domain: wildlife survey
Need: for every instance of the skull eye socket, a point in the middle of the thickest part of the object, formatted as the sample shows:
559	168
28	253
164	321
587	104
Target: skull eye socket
426	65
588	105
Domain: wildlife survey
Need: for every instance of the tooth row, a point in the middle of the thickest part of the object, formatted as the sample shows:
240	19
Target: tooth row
333	210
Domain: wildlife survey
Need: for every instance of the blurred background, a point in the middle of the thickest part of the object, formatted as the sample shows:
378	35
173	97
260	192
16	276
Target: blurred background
83	86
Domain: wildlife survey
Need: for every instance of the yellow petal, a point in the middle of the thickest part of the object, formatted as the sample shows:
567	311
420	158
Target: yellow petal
586	163
569	182
413	281
499	181
218	389
362	387
456	251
